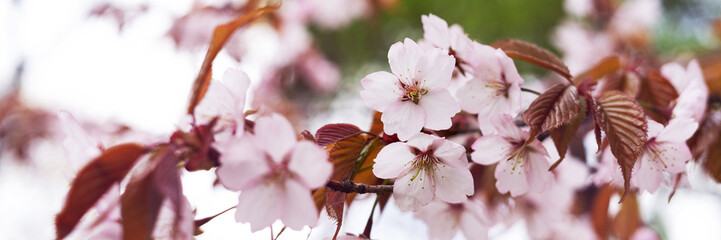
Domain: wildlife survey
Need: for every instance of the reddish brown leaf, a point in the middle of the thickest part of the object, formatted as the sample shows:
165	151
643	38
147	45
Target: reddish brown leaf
534	54
563	135
331	133
143	197
627	82
711	67
599	211
713	160
628	219
624	123
604	67
707	133
658	93
351	158
376	124
220	37
556	107
93	181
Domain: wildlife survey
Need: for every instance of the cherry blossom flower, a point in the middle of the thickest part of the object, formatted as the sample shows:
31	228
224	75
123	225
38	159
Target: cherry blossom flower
444	220
495	88
275	173
451	39
415	95
581	47
226	99
425	167
635	18
691	87
665	151
520	169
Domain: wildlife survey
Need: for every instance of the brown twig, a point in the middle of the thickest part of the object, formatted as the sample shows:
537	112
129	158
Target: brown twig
351	187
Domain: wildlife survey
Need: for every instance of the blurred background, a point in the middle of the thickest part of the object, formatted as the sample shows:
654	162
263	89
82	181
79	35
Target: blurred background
129	64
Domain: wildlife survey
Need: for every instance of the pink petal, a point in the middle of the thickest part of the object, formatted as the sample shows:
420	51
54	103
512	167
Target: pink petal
510	73
80	146
392	160
380	90
435	30
675	73
260	213
434	69
460	43
404	118
537	165
472	97
310	163
299	207
443	225
452	184
421	141
646	174
439	106
241	165
505	127
413	190
237	83
669	156
484	60
654	128
275	135
450	153
510	178
472	223
403	58
678	130
490	149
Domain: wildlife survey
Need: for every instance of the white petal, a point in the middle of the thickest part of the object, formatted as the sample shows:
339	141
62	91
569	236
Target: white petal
510	178
678	130
435	30
310	162
654	128
260	213
299	207
472	225
237	83
490	149
453	184
439	107
380	90
403	58
422	141
413	190
404	118
537	164
510	73
392	160
241	165
275	135
471	96
450	153
647	175
434	69
505	127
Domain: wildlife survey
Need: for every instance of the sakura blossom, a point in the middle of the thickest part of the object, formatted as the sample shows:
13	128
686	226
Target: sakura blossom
226	100
445	220
272	165
521	168
425	167
451	39
665	151
495	88
415	94
691	87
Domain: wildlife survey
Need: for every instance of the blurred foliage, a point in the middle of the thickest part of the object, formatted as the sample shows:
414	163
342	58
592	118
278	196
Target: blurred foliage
485	21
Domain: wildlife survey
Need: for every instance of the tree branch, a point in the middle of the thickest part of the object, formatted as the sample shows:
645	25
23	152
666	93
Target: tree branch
351	187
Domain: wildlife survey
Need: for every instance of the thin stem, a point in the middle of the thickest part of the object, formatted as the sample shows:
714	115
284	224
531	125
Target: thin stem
530	91
351	187
369	223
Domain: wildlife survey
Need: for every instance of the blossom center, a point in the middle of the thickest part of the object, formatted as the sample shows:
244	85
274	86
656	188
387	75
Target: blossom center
412	92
